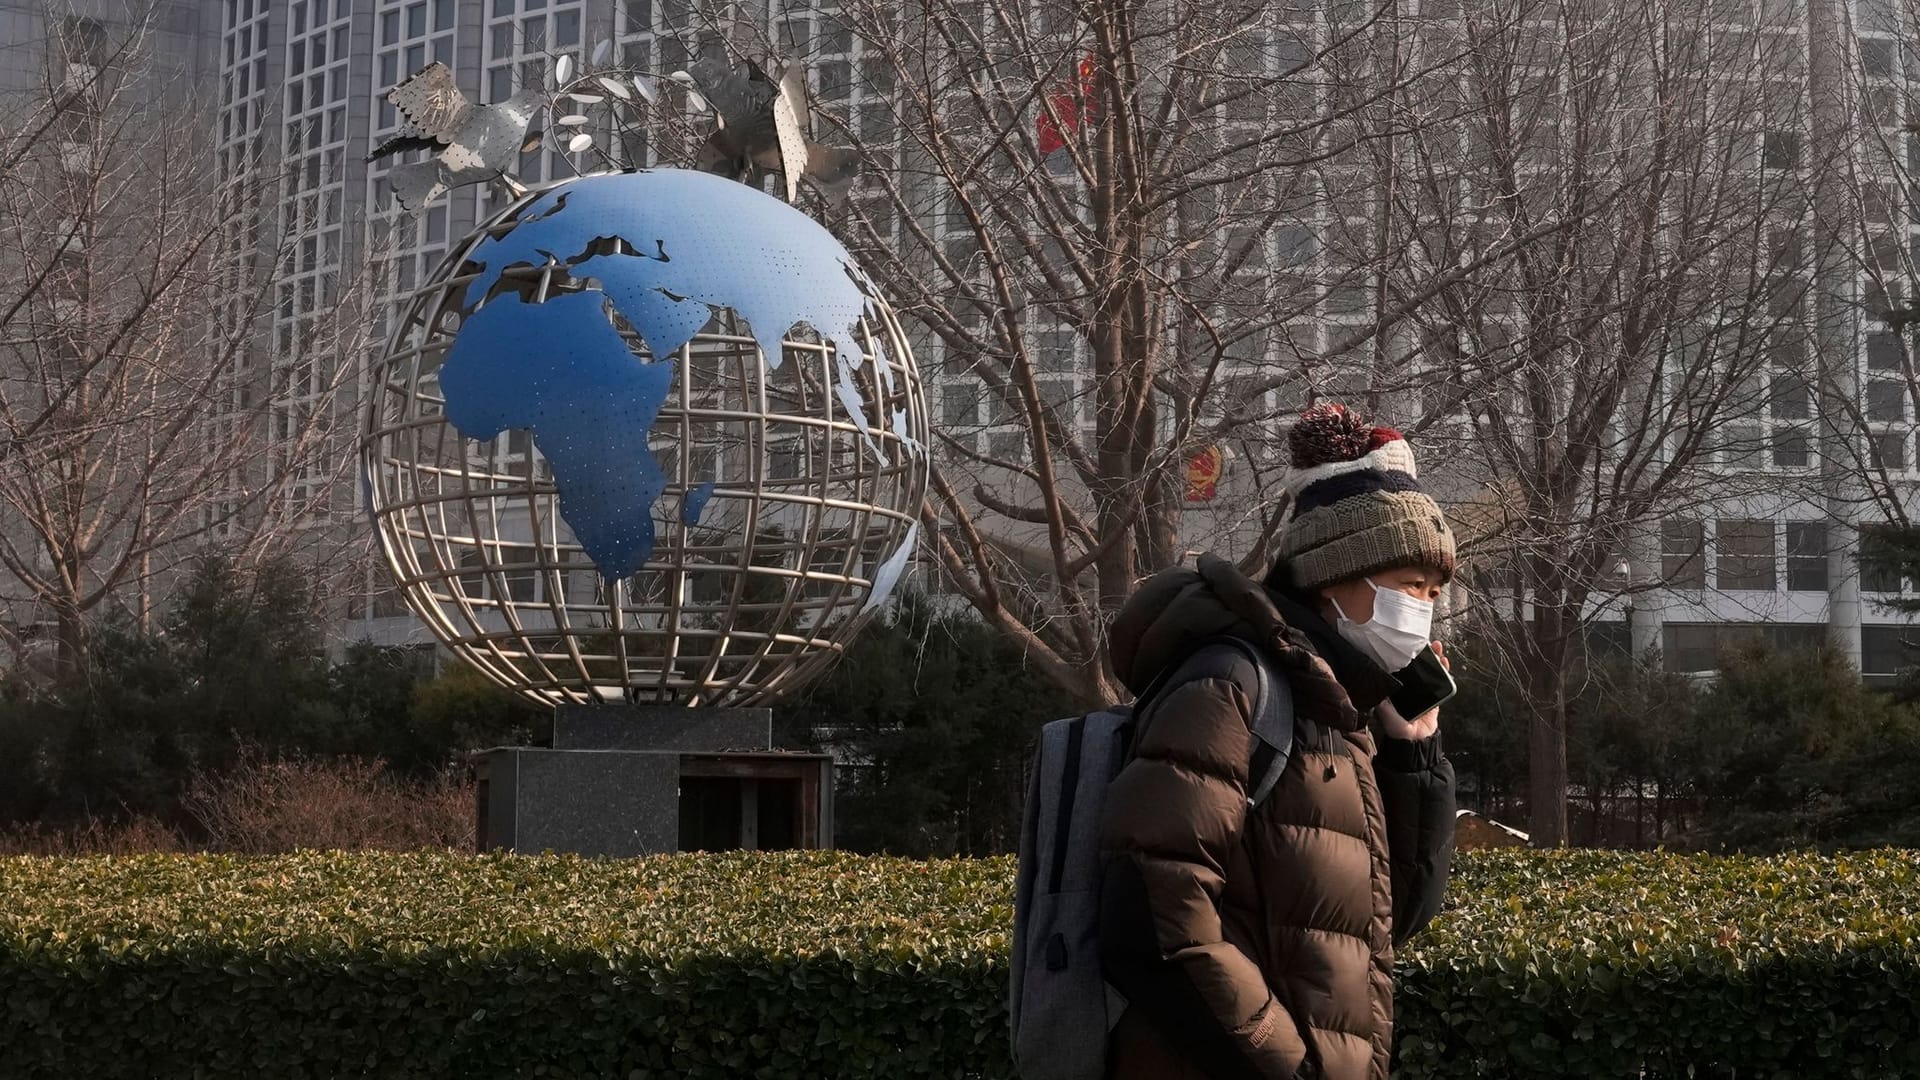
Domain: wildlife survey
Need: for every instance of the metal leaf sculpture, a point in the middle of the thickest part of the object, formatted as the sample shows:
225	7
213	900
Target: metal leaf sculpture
471	144
763	125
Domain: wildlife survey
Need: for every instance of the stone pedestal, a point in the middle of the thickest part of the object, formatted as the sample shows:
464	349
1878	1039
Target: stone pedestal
625	780
661	727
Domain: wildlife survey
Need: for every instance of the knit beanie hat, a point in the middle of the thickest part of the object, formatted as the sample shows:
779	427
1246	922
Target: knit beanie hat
1358	507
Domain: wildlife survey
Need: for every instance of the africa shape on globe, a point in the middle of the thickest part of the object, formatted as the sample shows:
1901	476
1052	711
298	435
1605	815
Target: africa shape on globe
561	370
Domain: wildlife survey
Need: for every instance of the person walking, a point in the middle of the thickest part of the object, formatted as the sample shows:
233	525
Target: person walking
1259	944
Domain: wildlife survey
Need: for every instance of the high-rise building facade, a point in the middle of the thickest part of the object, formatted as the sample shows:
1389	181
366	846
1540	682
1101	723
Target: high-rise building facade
303	83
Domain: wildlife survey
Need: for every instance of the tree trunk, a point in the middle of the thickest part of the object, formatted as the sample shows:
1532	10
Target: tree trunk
71	645
1547	755
1640	813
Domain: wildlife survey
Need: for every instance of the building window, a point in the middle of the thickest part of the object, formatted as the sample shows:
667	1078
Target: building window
1886	400
1781	150
1348	298
959	446
1683	547
1001	406
388	603
707	465
1700	646
1787	255
1008	447
707	587
959	405
1746	447
1883	351
1876	58
1876	296
1890	451
1795	637
521	587
1245	251
85	41
1792	398
1686	647
1887	650
1876	574
1054	349
784	461
473	583
1059	395
1610	638
1792	450
1745	556
1806	556
1294	245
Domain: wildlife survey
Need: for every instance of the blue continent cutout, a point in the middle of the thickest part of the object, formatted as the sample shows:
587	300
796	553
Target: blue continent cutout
700	241
887	578
561	371
694	503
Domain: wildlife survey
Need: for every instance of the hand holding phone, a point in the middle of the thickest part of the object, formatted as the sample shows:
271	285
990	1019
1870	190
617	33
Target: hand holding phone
1411	712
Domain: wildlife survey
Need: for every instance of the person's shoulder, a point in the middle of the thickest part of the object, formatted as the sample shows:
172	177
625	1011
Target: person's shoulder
1229	661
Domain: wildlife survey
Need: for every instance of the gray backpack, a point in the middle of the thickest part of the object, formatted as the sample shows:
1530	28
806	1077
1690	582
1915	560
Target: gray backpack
1060	1005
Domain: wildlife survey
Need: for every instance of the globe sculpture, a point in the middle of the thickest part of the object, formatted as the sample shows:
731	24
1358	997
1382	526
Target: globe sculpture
648	437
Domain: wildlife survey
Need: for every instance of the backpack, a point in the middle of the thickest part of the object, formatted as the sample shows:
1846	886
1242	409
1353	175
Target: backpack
1060	1005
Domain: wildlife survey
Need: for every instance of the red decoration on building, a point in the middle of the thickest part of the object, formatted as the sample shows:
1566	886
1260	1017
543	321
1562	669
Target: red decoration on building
1073	107
1203	474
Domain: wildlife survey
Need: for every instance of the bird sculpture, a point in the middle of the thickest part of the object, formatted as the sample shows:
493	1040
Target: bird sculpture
471	143
763	126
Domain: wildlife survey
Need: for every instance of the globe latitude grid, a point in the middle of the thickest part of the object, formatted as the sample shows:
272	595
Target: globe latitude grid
742	602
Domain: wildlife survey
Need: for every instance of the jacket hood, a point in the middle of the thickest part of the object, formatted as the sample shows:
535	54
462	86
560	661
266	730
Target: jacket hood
1177	610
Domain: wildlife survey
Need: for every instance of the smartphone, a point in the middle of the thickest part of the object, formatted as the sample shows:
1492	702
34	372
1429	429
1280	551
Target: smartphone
1424	684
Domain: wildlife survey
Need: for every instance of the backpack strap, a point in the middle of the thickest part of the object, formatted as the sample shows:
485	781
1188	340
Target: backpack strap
1272	708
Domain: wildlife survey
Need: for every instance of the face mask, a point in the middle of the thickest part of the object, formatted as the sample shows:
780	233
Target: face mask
1401	626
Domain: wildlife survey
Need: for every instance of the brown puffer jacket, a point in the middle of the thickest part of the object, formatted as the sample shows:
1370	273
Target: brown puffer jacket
1260	944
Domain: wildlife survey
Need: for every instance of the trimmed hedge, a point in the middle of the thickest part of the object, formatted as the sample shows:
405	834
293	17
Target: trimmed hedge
827	965
1603	964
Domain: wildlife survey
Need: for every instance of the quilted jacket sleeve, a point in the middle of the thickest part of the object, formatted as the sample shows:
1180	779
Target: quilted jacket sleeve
1416	789
1173	817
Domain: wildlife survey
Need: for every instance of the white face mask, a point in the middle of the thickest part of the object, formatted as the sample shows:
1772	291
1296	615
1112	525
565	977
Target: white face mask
1401	626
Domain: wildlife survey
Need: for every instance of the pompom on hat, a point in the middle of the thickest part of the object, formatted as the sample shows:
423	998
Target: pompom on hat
1358	507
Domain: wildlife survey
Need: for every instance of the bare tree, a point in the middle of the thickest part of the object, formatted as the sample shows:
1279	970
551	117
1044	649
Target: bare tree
1870	276
144	411
1601	388
1559	242
1100	213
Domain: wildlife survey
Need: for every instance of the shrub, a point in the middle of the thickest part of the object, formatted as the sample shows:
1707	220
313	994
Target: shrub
1783	749
1794	750
1599	964
237	660
236	663
933	718
267	805
328	965
461	710
136	835
831	965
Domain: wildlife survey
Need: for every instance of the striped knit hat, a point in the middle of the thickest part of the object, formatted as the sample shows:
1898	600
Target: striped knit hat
1357	503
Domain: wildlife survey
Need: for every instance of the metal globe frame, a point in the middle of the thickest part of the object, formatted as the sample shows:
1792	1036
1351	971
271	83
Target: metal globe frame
750	603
